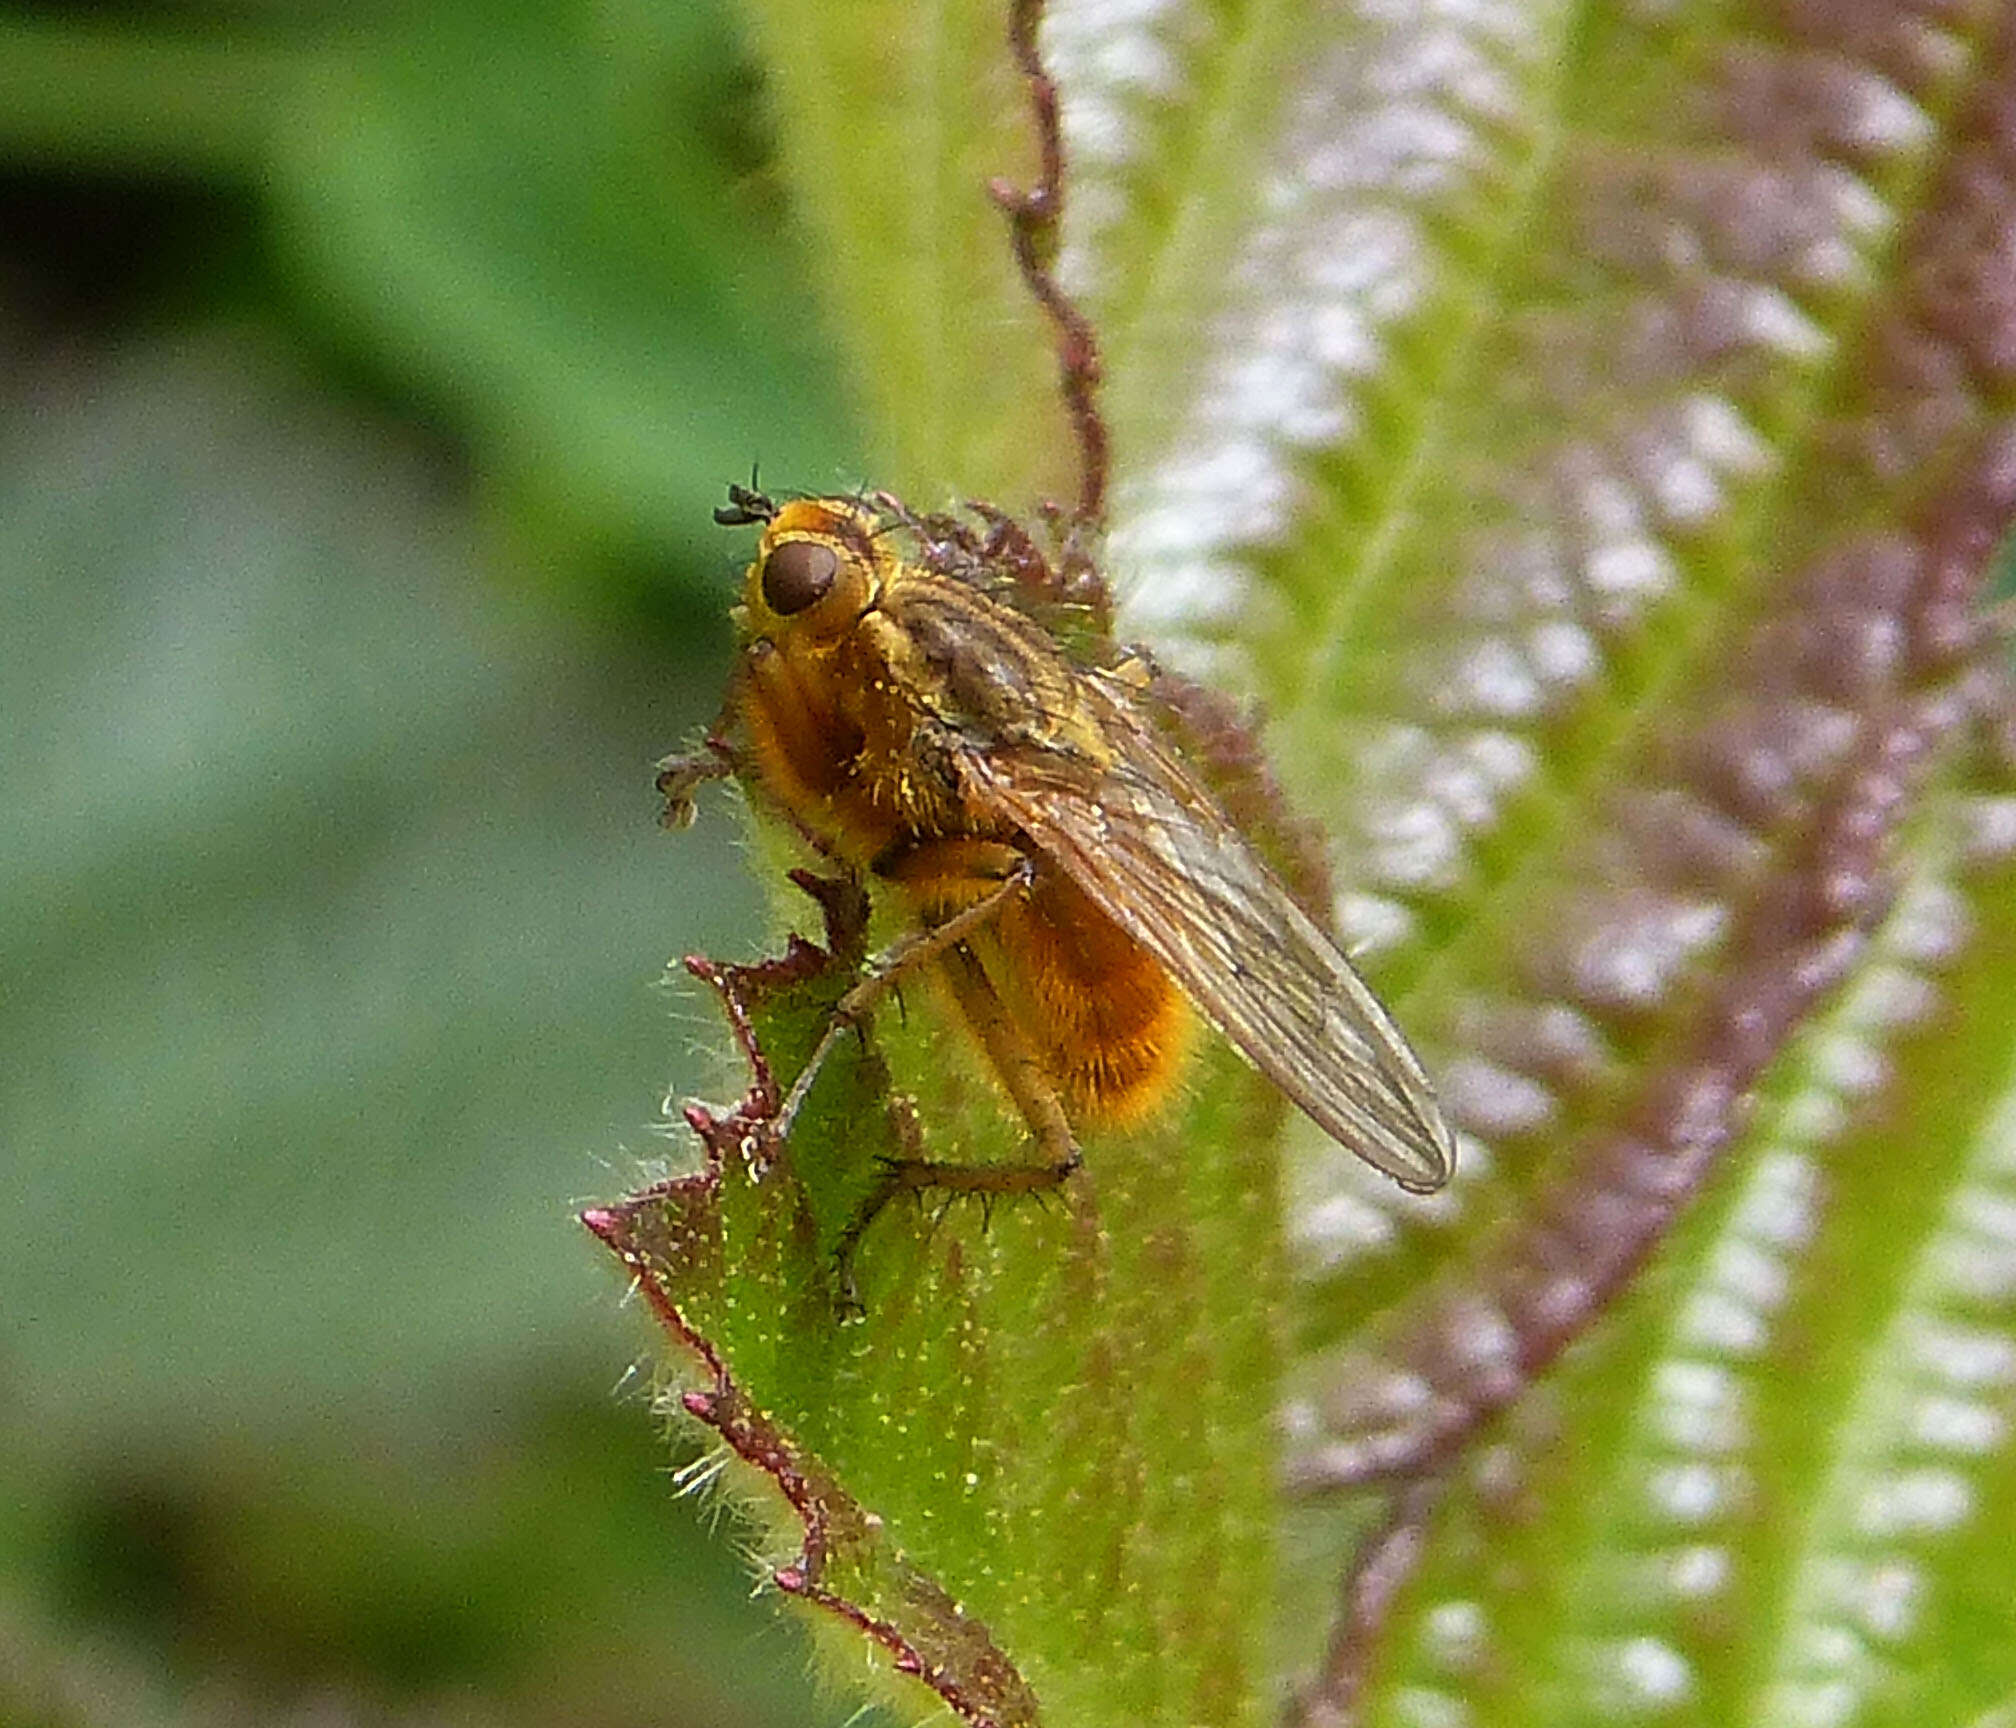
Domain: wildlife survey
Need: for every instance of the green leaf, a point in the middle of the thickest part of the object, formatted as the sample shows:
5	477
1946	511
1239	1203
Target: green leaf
990	1470
1774	1487
892	119
1588	432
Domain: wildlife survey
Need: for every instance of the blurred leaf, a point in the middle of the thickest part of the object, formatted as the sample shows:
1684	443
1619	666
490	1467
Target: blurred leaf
552	227
328	878
543	1575
101	96
537	220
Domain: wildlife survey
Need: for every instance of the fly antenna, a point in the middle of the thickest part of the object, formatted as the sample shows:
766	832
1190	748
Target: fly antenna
746	505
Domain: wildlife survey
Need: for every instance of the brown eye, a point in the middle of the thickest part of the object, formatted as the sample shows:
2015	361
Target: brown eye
797	575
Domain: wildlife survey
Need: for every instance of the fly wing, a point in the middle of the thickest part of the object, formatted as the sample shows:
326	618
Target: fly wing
1151	848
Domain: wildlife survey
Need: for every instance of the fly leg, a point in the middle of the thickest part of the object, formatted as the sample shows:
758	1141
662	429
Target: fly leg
1027	1083
885	971
679	777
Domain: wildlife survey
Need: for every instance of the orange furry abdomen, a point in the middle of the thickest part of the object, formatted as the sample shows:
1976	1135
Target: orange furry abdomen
1112	1028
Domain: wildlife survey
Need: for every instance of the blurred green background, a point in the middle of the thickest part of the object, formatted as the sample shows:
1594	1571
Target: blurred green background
368	376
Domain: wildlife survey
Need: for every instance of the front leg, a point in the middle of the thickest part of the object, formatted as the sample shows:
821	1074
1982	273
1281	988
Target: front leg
908	952
1029	1086
979	878
680	777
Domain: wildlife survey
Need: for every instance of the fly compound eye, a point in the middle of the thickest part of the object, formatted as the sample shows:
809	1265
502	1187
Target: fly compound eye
797	575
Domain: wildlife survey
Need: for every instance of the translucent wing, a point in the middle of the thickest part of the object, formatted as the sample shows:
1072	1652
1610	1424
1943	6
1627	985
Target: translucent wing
1148	844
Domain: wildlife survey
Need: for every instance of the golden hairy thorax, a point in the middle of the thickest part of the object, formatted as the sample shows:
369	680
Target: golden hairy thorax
857	703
